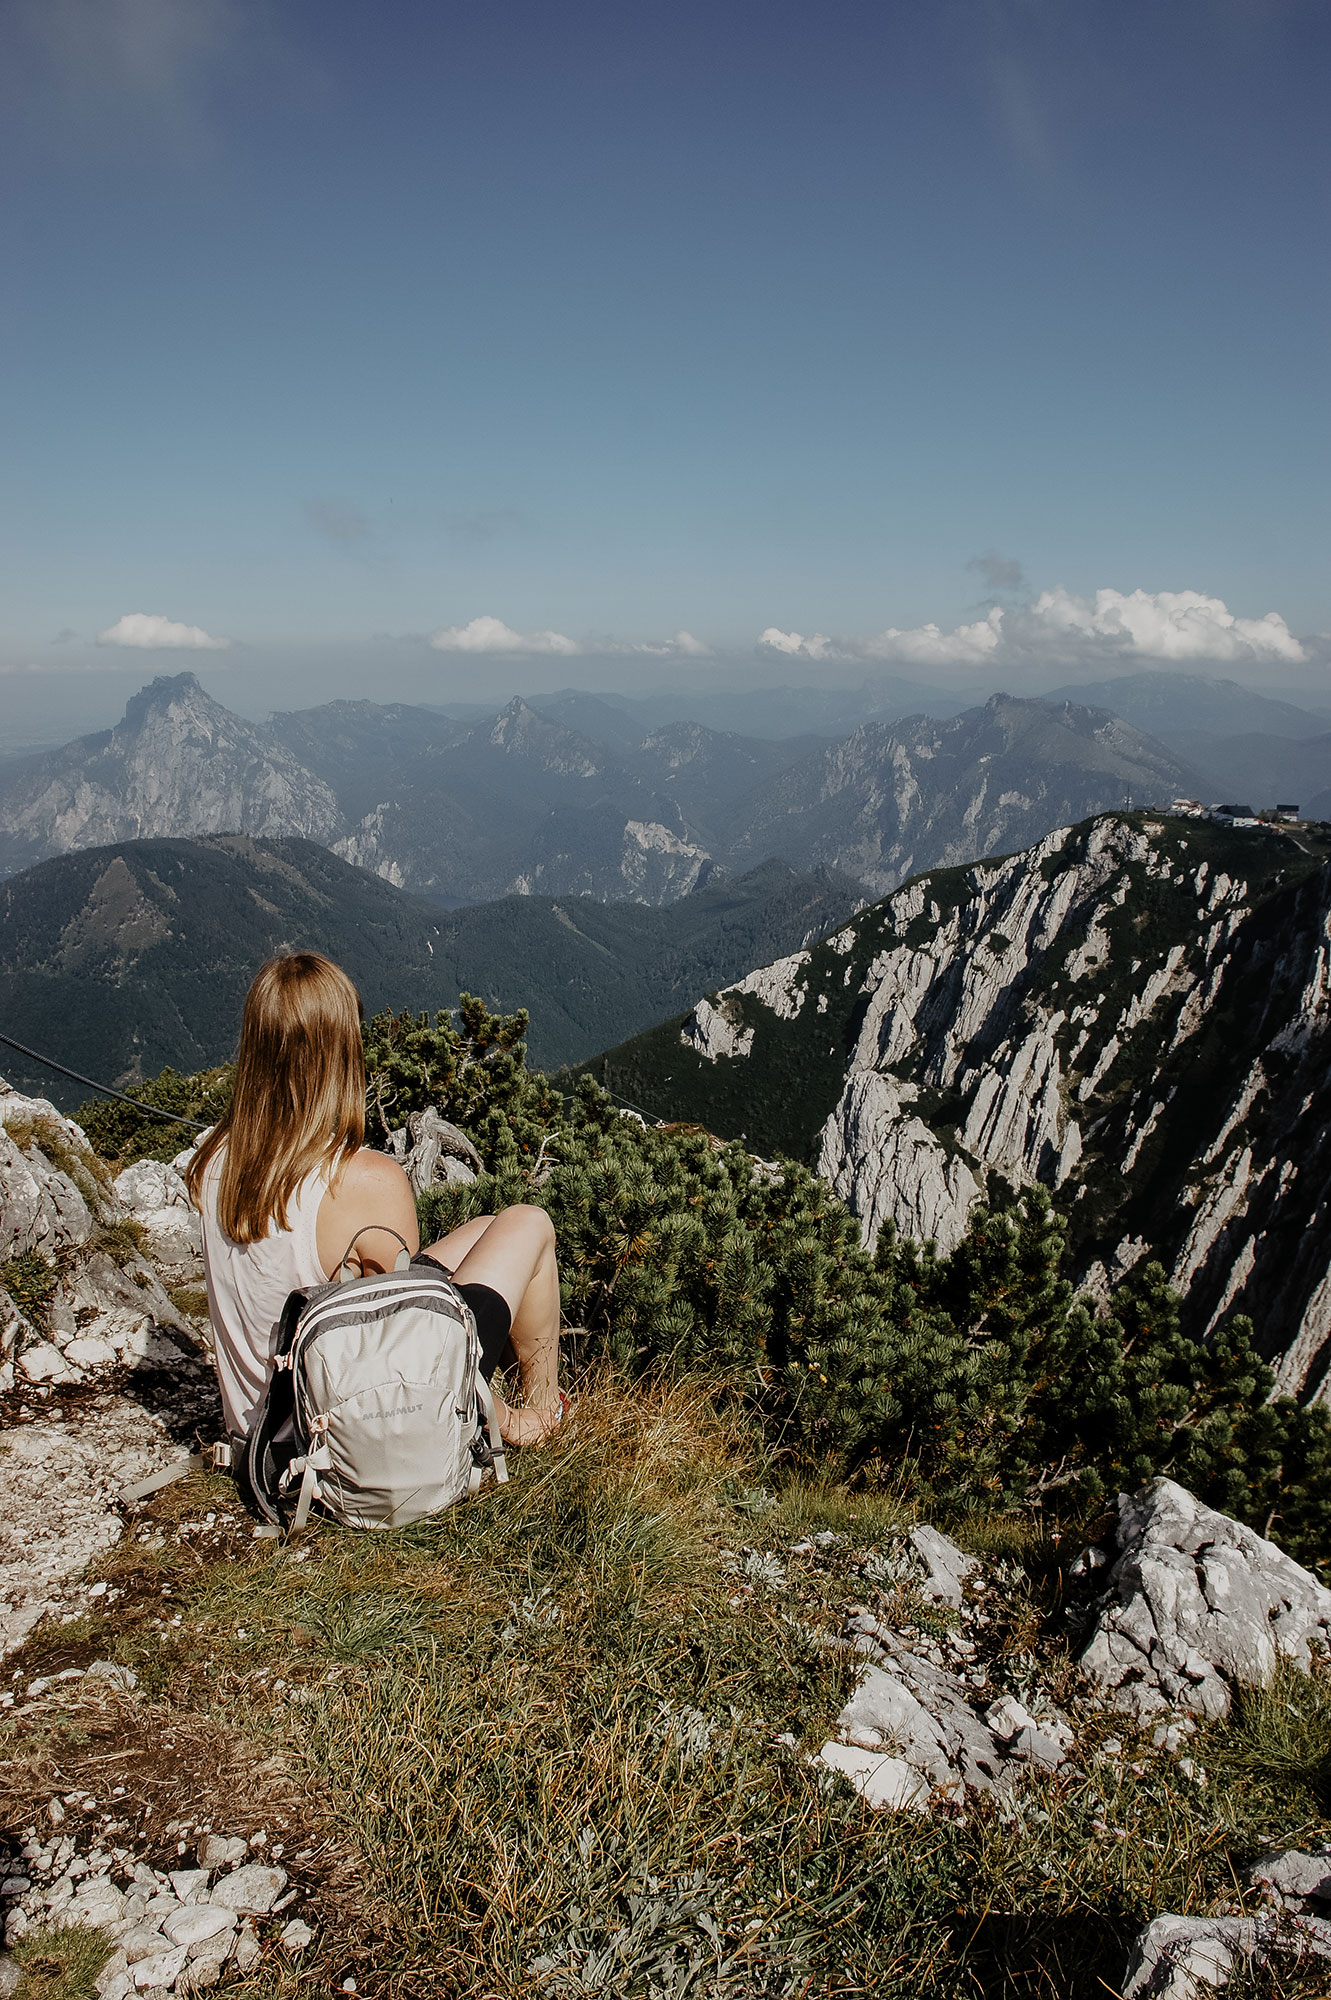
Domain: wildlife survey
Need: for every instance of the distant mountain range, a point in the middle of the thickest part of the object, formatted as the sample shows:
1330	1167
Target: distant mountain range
1247	746
895	798
119	960
1173	706
1134	1013
463	811
1270	768
764	712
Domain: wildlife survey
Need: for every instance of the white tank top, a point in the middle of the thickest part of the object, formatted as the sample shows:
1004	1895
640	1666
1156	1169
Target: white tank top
248	1285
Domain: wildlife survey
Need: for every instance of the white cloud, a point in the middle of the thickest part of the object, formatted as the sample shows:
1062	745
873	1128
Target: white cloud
149	631
818	647
930	646
491	635
921	645
1165	625
683	645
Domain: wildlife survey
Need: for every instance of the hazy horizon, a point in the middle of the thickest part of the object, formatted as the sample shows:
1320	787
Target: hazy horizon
47	718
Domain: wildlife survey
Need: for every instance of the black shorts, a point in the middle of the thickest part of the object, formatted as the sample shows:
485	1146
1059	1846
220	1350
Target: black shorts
490	1311
493	1321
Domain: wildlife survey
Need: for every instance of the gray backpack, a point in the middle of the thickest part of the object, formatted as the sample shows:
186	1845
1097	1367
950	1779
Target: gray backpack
375	1408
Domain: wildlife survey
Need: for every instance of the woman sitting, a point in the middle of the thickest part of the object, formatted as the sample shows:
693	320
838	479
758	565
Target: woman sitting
284	1185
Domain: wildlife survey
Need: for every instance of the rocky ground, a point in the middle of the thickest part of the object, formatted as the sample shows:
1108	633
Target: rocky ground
200	1861
106	1380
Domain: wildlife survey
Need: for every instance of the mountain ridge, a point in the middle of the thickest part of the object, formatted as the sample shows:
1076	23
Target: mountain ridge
1134	1012
514	803
122	959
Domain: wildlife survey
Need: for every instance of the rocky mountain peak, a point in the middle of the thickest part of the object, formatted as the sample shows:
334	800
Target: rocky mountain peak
178	763
168	694
522	731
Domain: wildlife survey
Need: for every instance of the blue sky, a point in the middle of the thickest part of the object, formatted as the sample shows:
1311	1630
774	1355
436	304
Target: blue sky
328	328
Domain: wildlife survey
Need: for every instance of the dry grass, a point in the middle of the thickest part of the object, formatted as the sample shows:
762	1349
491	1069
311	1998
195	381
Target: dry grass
538	1740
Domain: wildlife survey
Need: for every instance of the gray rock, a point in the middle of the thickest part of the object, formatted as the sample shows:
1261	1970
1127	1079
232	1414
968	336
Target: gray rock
98	1903
717	1030
1201	1604
296	1935
1178	1958
189	1885
887	1784
59	1496
1043	1744
162	1969
1294	1880
248	1948
41	1208
42	1361
89	1352
874	1149
215	1850
915	1710
199	1974
156	1196
144	1941
199	1925
112	1672
149	1185
115	1980
947	1565
11	1976
251	1890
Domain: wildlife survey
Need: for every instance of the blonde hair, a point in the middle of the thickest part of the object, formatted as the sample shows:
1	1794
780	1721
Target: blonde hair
299	1098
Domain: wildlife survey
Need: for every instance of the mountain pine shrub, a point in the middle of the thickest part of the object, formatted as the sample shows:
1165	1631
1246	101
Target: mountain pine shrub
121	1134
980	1379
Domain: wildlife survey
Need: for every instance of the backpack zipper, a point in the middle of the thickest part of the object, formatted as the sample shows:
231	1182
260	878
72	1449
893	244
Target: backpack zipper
310	1332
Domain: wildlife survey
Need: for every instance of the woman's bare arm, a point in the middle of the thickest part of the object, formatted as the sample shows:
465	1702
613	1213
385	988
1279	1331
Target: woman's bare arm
371	1192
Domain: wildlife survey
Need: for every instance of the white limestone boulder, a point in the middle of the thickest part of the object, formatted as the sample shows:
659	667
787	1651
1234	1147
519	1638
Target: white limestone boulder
156	1196
1184	1958
42	1207
1199	1605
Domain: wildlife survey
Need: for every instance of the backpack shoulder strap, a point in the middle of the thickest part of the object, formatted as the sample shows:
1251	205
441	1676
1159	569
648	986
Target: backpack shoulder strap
402	1260
289	1320
259	1465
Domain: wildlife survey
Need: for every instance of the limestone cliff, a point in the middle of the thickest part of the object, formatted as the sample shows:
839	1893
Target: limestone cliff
1134	1013
177	763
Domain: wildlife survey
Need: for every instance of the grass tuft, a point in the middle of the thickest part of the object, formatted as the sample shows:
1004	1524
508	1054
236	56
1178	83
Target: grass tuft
30	1281
61	1963
1281	1734
123	1241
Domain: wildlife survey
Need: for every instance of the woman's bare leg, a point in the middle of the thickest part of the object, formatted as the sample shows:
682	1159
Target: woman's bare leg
514	1254
451	1249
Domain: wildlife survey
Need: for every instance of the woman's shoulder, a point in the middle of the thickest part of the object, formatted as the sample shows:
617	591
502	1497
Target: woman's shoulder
371	1191
370	1173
